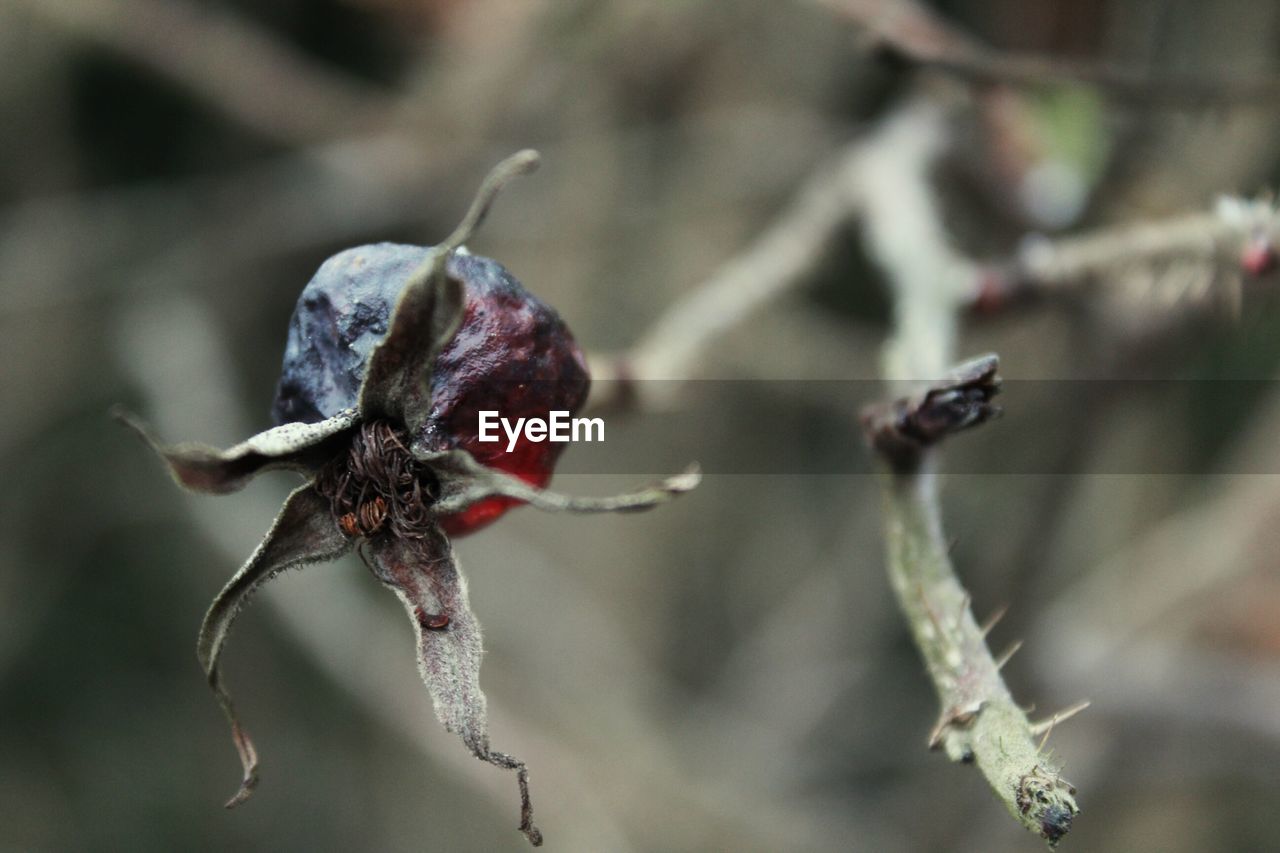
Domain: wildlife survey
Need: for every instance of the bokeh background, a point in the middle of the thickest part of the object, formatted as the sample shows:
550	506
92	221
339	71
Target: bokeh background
726	673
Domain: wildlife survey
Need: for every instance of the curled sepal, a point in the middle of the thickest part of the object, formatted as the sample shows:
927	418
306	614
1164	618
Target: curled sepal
296	447
464	481
427	316
304	532
424	574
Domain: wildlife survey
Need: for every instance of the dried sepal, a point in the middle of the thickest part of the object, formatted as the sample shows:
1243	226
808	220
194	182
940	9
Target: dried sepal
303	532
464	482
298	447
427	315
426	577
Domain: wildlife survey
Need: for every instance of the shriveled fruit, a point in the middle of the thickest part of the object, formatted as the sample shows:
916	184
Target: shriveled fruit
512	354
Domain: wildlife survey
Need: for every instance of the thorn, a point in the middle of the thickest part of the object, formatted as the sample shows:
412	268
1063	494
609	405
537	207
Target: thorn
1048	731
938	730
954	716
993	619
965	605
928	609
1059	717
1008	653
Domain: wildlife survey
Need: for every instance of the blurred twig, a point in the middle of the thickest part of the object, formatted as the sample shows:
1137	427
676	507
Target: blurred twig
913	31
1149	274
1172	569
1199	248
1211	239
777	260
1182	682
229	62
979	722
211	225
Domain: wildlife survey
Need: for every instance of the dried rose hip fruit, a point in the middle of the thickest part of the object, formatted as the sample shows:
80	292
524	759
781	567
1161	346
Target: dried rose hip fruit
512	354
392	352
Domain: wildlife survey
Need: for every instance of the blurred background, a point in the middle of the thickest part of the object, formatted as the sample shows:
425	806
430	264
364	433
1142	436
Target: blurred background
726	673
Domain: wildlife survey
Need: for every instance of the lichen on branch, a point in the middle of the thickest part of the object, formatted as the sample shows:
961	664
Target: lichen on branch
979	723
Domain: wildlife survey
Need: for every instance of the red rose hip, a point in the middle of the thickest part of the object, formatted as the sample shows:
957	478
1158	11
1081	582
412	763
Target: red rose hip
513	354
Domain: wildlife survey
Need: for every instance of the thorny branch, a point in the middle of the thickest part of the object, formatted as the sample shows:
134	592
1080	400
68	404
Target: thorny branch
884	178
980	722
1176	564
912	31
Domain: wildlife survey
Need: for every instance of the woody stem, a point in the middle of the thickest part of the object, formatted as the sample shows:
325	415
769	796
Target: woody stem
980	722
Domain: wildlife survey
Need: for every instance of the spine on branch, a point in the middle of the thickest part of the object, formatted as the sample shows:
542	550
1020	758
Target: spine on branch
980	723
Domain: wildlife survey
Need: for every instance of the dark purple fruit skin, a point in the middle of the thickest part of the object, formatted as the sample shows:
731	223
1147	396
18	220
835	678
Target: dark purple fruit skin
512	354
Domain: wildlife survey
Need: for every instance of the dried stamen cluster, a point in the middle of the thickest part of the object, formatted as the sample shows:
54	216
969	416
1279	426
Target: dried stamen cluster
378	485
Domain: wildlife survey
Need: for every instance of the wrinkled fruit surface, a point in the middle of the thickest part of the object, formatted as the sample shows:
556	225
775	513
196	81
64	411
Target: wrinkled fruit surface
513	354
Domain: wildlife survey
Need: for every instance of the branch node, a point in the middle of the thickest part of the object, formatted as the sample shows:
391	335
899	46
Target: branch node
902	430
955	717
